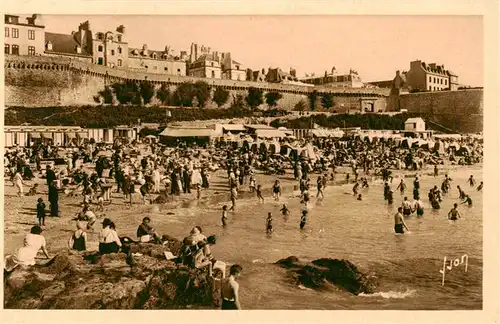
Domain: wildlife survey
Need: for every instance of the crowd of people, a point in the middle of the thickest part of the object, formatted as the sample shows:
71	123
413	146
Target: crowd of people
90	171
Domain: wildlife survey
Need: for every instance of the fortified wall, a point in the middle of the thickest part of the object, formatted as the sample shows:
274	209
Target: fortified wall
54	81
460	110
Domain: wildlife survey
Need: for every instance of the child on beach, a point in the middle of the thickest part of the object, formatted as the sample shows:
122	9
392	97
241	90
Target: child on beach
78	241
252	184
269	223
276	190
303	219
259	194
40	212
285	211
224	215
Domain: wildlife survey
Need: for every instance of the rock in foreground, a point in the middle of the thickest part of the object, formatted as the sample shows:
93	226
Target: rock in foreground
144	279
318	273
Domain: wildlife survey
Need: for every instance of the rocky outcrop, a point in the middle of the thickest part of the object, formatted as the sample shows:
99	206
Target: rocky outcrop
143	278
319	273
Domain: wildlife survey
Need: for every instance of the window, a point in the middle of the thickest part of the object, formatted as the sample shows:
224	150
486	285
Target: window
99	48
166	69
99	60
100	36
119	50
7	31
212	63
119	37
430	79
434	80
112	52
31	50
15	33
7	49
237	67
430	88
31	34
441	81
15	50
213	74
119	62
154	56
146	66
178	70
445	82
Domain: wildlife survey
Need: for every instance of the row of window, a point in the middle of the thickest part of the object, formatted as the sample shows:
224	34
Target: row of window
436	88
15	33
438	80
14	49
100	36
100	49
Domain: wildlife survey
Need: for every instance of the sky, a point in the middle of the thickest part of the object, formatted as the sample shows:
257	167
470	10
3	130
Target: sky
375	46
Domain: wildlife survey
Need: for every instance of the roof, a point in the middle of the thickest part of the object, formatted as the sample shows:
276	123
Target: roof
187	132
234	127
206	57
450	72
414	120
270	133
63	43
159	54
259	126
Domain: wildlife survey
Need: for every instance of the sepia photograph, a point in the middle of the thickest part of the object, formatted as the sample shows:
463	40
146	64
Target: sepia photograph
243	162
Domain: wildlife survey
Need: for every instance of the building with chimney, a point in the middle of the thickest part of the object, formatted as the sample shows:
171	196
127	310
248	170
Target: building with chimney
430	77
334	79
154	61
24	35
205	63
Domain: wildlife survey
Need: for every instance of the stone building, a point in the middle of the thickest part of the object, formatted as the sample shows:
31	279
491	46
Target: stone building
205	63
153	61
24	35
334	79
430	77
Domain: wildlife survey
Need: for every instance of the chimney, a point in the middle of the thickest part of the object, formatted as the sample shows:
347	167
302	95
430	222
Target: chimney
293	72
397	73
121	29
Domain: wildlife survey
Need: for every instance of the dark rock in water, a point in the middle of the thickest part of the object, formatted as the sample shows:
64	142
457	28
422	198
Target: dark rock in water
289	262
111	281
341	273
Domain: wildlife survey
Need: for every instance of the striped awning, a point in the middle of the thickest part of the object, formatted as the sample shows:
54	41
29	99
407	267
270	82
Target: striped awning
70	135
35	135
83	134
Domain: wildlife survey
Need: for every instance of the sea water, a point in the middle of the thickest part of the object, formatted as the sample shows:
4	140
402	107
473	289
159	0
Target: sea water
406	267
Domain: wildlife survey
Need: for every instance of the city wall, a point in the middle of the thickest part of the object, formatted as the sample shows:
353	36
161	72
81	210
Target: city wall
460	110
54	81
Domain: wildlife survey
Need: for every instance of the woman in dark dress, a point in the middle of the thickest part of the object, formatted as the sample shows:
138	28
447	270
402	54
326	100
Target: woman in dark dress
78	241
53	199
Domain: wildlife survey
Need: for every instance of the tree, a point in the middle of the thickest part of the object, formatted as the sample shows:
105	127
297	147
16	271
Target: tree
163	94
202	93
300	106
107	95
126	92
327	100
220	96
272	98
312	99
254	97
183	95
147	91
238	102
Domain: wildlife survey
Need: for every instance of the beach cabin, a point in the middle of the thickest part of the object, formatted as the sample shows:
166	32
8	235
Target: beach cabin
188	135
414	125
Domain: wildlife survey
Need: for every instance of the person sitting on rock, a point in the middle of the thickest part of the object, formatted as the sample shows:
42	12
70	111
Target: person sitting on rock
146	233
203	256
78	241
109	242
25	256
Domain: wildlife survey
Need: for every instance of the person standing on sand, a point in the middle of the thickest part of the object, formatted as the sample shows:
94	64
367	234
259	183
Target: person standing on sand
224	216
230	289
40	212
18	181
480	187
53	199
303	218
435	170
234	195
320	186
276	190
399	222
259	193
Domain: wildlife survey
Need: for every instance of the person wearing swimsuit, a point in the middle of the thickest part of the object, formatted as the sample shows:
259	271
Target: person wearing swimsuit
230	289
406	207
399	222
454	214
78	241
276	190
